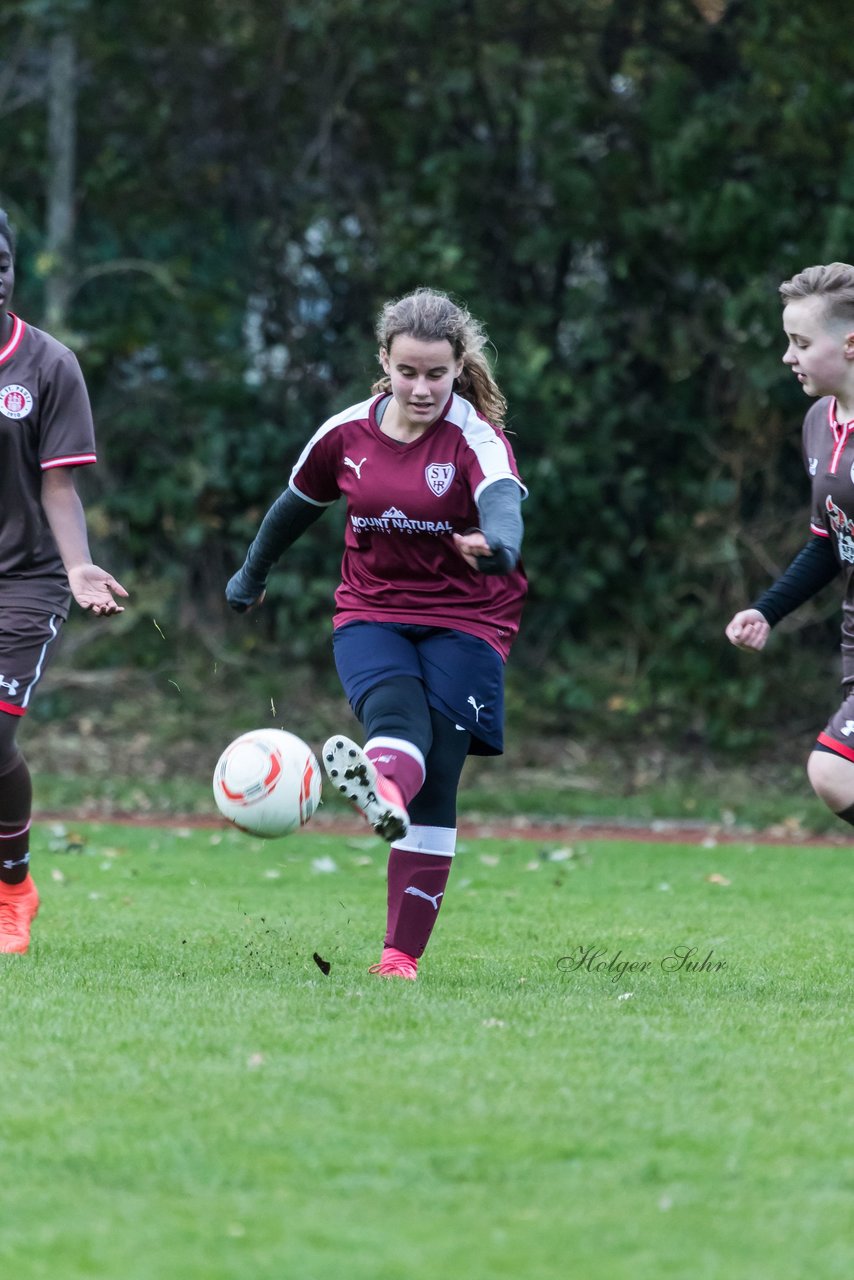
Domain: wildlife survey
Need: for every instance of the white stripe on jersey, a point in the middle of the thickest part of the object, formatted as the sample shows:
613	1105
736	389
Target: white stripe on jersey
353	414
15	340
488	447
72	460
479	435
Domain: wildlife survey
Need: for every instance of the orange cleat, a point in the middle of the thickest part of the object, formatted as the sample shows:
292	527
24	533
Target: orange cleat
19	904
396	964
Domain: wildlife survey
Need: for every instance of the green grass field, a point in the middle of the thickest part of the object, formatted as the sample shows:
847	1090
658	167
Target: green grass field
186	1095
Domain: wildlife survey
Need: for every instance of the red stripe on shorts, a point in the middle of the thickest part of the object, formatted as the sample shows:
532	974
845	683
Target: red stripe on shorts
13	711
827	741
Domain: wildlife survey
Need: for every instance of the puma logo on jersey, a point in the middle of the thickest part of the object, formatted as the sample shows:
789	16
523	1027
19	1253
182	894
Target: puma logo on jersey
357	466
419	893
477	709
813	466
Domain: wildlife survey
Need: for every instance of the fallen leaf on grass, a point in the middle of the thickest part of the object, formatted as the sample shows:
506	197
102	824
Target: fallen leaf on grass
323	965
716	878
63	841
790	828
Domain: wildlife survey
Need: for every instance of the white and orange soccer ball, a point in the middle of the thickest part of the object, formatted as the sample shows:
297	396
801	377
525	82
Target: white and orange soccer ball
267	782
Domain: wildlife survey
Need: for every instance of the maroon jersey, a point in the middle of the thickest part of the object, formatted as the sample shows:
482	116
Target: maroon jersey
45	421
829	459
405	500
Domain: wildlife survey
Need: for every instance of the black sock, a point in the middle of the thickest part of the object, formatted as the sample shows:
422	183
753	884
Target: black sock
16	796
847	815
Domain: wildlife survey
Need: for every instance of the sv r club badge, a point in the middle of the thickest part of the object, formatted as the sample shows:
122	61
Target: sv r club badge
439	476
15	401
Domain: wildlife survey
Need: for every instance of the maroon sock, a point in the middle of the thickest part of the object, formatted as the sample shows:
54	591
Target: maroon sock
400	761
416	886
16	797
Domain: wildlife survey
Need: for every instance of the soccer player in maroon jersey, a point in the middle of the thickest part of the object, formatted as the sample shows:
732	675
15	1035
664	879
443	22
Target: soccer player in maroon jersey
431	590
45	432
818	319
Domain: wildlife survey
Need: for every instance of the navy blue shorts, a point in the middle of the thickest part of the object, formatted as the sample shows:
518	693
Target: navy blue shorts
463	676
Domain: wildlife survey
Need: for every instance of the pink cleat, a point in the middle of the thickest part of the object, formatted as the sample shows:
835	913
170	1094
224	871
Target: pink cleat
377	797
18	906
396	964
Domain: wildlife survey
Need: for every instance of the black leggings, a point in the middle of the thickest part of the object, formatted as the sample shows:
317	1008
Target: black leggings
398	708
8	746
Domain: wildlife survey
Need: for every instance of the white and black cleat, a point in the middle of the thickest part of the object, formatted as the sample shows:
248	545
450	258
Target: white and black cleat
353	774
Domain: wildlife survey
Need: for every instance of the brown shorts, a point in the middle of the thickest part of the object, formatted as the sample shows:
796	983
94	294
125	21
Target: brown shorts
838	734
27	642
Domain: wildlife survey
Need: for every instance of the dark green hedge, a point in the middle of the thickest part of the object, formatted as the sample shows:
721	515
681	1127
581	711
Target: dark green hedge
616	188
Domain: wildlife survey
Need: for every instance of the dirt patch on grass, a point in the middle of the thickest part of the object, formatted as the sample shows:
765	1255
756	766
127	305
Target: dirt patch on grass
540	830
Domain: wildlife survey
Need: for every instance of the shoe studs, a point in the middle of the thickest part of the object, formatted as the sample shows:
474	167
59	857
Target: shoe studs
333	773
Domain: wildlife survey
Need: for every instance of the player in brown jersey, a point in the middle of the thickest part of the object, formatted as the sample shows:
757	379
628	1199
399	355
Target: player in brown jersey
45	432
818	319
431	590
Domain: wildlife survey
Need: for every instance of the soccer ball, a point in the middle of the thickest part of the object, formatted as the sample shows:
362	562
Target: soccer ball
267	782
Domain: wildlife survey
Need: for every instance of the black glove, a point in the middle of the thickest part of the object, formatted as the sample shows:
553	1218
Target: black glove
501	561
243	589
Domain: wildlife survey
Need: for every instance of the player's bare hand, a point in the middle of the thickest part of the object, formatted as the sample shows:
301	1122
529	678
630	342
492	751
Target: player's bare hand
748	630
95	589
472	546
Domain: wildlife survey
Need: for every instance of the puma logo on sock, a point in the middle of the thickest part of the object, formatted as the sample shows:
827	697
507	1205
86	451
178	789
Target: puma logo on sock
419	893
